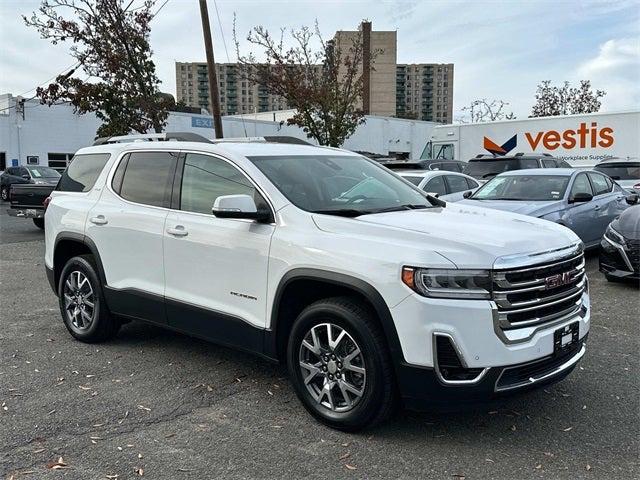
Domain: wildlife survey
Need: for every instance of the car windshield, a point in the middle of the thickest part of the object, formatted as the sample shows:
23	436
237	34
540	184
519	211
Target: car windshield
617	171
484	169
339	184
523	187
43	172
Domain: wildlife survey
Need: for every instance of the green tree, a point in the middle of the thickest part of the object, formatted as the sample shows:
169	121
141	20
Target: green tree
323	85
110	41
552	100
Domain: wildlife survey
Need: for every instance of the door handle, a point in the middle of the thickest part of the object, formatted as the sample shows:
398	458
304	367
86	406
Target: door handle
177	231
99	220
597	207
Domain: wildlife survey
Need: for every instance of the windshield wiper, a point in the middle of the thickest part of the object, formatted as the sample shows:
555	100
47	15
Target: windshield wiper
398	208
343	212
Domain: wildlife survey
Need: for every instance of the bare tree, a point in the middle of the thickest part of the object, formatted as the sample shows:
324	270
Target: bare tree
485	111
324	86
552	100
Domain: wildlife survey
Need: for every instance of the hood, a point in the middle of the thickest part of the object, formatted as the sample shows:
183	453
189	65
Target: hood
628	223
533	209
470	237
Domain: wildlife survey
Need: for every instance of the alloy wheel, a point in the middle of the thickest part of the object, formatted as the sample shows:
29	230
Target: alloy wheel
332	367
79	301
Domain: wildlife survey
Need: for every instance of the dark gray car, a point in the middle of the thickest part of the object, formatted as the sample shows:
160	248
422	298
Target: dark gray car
620	247
37	175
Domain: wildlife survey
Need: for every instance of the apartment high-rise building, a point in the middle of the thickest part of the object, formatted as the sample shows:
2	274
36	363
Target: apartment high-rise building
237	95
420	91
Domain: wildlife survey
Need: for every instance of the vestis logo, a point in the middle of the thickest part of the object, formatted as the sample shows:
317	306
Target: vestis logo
503	149
582	137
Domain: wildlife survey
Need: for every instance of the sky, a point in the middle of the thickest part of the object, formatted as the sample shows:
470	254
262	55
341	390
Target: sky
501	49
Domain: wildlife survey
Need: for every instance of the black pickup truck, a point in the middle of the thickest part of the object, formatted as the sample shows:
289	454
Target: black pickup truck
27	201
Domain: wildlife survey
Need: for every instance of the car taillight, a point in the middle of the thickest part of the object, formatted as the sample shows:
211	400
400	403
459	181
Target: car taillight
46	203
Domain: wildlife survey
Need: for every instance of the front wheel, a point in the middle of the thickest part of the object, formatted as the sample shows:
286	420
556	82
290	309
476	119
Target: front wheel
39	222
340	365
82	305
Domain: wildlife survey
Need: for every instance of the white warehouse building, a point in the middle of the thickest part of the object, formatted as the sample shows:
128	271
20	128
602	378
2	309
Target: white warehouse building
40	135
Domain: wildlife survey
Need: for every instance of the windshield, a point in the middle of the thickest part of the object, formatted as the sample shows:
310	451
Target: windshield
340	185
627	171
523	187
43	172
484	169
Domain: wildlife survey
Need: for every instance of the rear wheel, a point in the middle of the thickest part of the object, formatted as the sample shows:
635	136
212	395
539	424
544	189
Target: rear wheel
82	305
340	366
39	222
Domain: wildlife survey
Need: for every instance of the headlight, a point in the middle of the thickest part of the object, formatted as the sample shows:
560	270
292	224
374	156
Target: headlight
445	283
613	236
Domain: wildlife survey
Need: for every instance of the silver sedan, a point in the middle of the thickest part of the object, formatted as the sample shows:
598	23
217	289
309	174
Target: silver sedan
449	186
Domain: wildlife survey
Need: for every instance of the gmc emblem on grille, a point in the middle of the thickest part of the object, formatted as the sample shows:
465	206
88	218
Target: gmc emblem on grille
558	280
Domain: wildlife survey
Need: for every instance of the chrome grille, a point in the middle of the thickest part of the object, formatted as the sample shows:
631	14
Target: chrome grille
539	294
633	252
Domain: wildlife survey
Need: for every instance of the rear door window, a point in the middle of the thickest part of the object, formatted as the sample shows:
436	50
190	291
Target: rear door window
528	163
547	163
148	178
82	173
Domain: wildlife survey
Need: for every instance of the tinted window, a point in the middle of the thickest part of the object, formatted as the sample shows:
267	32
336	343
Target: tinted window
436	185
450	167
563	164
82	173
528	163
46	172
206	178
629	171
600	184
118	176
148	178
456	183
581	185
485	169
549	163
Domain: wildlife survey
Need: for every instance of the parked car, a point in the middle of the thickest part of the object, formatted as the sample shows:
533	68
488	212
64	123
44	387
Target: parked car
367	289
448	186
29	201
620	247
626	172
584	201
26	174
485	167
447	165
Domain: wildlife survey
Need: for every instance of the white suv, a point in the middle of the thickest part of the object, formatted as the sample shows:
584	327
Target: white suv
370	290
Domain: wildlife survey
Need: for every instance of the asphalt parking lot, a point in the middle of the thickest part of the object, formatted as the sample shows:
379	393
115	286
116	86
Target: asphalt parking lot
166	406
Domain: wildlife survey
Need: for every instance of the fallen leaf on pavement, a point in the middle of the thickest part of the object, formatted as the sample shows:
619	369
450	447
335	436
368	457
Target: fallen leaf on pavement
568	429
82	387
138	471
588	467
350	467
57	465
142	407
346	455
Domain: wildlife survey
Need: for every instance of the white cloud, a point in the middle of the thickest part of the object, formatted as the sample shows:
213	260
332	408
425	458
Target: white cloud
616	69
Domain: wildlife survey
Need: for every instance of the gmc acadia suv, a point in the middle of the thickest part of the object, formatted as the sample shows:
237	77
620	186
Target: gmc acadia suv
370	290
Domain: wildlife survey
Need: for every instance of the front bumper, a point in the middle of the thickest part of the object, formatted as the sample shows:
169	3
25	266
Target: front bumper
618	262
422	388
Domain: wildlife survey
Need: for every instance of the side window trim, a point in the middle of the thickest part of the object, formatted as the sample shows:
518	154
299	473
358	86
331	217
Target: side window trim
177	185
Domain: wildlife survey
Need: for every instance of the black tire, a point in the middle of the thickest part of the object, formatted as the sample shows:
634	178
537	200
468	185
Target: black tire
39	222
102	326
379	393
4	194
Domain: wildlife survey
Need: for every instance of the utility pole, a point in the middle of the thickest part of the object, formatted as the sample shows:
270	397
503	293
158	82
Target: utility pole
214	96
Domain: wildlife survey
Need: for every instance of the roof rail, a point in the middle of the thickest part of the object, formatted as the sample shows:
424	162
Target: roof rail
533	154
153	137
264	139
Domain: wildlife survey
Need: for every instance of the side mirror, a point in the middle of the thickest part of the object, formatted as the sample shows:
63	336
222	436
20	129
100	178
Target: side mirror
467	194
238	206
633	199
581	197
435	195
